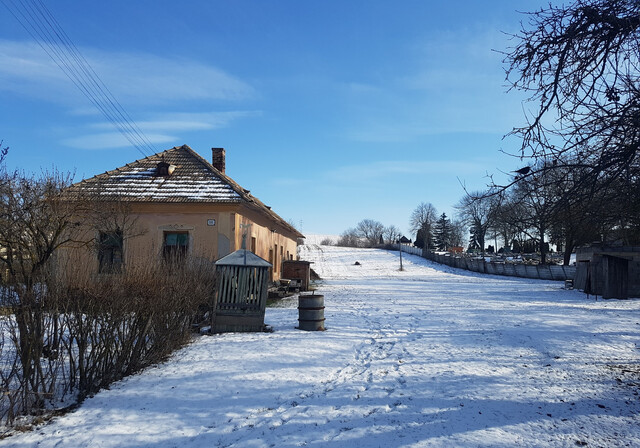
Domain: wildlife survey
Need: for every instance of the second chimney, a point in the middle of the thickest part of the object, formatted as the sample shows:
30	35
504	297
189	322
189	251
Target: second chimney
217	159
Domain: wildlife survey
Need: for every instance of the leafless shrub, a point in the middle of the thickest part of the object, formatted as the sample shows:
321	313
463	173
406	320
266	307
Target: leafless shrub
97	330
350	238
65	330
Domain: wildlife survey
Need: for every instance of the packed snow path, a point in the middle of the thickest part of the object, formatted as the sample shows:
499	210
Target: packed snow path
430	356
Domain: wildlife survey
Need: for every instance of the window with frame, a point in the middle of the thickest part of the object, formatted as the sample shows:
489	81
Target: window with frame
176	245
110	247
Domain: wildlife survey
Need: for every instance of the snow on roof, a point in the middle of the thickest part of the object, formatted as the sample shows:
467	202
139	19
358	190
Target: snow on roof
193	180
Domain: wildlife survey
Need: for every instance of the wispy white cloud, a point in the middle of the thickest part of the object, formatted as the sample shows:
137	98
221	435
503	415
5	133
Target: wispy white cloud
379	170
109	140
26	69
139	80
134	78
153	79
180	121
162	128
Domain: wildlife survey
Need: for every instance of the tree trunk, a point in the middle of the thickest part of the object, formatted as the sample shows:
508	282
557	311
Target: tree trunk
543	249
568	249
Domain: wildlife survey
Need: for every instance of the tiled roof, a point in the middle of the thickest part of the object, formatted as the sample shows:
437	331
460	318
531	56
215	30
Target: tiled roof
194	180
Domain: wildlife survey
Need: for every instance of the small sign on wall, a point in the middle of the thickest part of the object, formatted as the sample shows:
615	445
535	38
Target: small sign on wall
211	222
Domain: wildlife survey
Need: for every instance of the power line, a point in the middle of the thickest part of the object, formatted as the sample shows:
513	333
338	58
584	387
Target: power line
42	26
97	81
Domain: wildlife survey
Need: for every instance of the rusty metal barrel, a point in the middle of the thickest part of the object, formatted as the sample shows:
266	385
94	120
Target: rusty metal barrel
311	312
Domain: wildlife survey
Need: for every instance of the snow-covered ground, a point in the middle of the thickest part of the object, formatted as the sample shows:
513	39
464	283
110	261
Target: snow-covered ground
430	356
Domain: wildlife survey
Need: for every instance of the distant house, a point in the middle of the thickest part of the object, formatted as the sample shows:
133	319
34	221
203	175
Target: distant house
182	205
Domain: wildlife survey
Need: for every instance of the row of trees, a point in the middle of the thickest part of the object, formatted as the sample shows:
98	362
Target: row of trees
434	231
579	65
546	207
369	233
542	208
526	217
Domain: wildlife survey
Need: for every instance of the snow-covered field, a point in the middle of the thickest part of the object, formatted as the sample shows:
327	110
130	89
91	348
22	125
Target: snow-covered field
315	239
430	356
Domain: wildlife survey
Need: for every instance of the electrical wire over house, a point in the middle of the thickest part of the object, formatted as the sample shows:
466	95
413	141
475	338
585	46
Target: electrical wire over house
43	27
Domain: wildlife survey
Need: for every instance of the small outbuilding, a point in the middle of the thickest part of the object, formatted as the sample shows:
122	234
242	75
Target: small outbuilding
241	296
612	272
298	270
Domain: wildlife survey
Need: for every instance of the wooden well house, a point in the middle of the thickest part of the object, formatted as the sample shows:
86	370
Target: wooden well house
241	296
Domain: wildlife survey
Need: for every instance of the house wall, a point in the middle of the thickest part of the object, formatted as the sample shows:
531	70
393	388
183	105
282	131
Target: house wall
272	241
206	227
214	231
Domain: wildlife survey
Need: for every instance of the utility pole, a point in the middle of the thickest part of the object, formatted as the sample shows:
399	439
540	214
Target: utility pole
400	247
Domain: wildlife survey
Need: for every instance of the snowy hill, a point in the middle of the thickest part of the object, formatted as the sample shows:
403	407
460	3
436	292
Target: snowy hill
316	239
430	356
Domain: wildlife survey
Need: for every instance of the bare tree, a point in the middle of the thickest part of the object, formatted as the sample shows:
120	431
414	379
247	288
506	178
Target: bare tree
391	234
458	231
477	210
422	224
371	231
425	213
506	223
537	200
580	64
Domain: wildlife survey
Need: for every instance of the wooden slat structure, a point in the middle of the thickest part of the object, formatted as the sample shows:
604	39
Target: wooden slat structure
612	272
242	293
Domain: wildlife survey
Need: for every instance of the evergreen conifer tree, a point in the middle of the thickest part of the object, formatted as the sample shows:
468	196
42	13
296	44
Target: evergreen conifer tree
442	233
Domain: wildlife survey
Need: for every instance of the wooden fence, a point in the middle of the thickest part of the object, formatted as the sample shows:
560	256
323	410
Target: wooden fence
411	250
542	272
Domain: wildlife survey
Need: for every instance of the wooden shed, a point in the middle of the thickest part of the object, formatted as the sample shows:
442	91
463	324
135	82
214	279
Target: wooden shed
612	272
241	296
298	270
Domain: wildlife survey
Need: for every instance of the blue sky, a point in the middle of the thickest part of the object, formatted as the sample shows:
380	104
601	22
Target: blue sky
330	111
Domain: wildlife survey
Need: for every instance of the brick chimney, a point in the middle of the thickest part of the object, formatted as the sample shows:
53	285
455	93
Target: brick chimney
217	159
